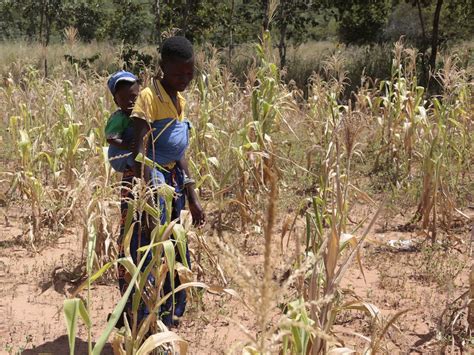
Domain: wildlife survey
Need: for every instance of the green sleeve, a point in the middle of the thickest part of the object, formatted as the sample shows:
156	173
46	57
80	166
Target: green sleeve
117	123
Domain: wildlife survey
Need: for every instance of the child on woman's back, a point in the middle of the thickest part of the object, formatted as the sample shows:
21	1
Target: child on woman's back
124	87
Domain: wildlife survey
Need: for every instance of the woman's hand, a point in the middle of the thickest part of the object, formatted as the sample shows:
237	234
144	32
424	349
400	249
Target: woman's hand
197	212
199	217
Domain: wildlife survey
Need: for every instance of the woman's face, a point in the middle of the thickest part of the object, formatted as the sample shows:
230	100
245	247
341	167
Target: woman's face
178	73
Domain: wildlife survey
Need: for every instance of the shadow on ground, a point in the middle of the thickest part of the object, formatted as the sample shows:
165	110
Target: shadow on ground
60	346
424	338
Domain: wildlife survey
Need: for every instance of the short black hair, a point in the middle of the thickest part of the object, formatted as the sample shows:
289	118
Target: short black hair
176	47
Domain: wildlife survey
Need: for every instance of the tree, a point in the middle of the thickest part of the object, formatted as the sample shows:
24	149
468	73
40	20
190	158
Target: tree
88	17
231	30
404	20
12	22
293	19
199	20
132	21
157	11
50	12
249	15
451	19
456	22
265	14
435	34
361	21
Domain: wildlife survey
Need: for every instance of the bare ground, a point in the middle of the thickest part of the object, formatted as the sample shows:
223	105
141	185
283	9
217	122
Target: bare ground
424	280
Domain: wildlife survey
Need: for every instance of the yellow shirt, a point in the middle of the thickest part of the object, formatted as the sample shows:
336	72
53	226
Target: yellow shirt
153	104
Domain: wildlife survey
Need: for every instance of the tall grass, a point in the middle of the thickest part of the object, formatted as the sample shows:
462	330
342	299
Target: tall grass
372	61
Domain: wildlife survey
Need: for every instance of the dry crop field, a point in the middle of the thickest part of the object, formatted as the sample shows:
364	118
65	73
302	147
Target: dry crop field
334	225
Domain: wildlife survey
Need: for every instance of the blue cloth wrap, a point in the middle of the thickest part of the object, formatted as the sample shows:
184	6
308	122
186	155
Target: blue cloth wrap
170	140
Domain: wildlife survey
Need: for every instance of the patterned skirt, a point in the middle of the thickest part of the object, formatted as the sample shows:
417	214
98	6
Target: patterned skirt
141	237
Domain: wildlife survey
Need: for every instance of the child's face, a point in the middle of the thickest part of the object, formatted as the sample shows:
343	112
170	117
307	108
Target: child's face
177	74
126	96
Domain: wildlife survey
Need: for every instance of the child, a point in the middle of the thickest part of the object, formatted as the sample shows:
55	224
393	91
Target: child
159	110
124	87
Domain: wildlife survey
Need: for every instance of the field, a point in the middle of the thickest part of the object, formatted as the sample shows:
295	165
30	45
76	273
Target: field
335	221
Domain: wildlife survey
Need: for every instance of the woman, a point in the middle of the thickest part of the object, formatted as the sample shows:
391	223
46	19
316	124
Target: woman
162	134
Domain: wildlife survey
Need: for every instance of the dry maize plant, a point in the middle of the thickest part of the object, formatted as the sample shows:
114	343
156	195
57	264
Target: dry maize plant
309	295
258	149
421	135
55	143
148	334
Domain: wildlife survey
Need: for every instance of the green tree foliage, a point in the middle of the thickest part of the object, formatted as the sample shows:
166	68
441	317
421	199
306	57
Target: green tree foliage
41	20
12	23
455	21
227	23
33	20
361	21
293	20
440	21
404	20
248	18
198	20
131	21
87	16
414	19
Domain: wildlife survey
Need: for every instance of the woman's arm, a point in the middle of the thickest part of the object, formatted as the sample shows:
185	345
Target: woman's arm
195	207
197	212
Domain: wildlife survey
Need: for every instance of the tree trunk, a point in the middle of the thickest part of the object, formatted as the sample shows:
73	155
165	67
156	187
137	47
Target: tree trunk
423	47
266	15
470	316
48	18
158	22
283	28
282	46
184	19
231	31
422	22
40	37
49	13
434	36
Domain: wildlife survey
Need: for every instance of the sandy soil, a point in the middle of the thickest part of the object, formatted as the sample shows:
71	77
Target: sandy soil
424	282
